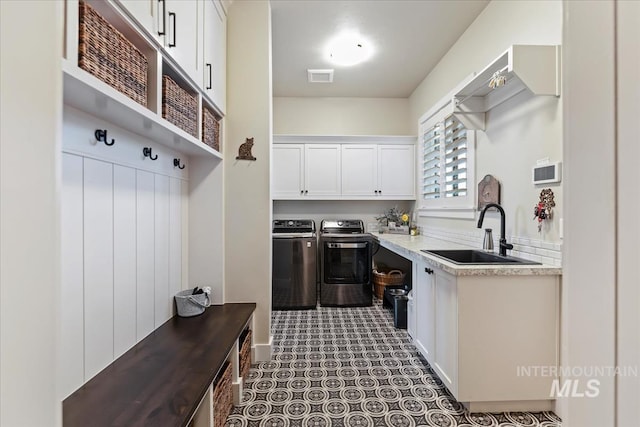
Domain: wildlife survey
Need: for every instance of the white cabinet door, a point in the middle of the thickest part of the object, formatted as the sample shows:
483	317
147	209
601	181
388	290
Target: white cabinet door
396	171
214	44
124	259
181	36
146	13
425	310
359	170
288	171
446	330
98	265
322	170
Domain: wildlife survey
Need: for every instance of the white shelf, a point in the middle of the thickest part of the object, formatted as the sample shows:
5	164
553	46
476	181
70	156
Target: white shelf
526	67
87	93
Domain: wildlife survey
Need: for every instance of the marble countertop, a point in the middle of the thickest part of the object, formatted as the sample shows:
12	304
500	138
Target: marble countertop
410	247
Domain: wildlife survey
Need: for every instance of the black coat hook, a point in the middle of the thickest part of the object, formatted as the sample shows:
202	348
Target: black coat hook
101	136
146	151
176	164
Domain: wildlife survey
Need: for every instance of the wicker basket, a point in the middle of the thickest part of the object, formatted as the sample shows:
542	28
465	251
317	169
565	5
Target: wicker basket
222	396
210	129
245	353
382	279
104	52
179	106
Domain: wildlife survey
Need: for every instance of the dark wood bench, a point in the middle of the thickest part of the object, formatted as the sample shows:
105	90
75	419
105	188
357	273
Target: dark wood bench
162	379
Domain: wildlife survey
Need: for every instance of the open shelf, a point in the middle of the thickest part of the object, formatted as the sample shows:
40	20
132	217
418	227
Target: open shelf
87	93
525	67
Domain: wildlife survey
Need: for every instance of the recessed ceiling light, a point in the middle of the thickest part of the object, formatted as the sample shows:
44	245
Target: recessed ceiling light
348	49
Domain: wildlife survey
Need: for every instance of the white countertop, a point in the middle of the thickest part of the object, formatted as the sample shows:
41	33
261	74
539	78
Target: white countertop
410	247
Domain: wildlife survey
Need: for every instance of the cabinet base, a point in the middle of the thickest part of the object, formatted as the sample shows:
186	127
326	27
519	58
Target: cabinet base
511	406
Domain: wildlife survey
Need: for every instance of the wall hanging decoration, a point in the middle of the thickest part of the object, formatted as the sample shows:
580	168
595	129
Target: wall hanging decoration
244	151
543	210
488	191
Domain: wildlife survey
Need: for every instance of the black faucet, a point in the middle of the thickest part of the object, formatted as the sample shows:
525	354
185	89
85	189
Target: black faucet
503	241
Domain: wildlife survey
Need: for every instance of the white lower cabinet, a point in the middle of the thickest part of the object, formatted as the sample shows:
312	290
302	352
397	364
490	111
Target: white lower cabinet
480	332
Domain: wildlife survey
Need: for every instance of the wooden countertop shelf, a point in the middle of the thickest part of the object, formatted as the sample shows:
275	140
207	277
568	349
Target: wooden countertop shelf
163	378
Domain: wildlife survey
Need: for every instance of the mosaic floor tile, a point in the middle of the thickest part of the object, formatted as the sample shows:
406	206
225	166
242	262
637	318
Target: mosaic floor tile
349	367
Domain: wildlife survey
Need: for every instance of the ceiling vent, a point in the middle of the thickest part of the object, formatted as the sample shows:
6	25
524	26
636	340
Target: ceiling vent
320	76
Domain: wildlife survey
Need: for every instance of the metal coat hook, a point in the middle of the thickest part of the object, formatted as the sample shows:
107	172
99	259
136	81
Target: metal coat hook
176	164
101	136
146	151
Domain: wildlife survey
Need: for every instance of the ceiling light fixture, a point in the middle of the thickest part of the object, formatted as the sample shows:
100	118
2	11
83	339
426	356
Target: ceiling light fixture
348	49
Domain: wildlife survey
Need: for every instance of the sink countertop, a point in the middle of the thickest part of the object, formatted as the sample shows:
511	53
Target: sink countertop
410	247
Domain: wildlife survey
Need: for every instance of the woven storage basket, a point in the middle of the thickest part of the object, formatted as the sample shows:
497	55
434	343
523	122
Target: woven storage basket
245	354
382	279
210	129
179	106
104	52
222	396
189	305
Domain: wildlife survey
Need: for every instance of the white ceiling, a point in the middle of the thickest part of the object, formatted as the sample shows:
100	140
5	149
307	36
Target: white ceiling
409	38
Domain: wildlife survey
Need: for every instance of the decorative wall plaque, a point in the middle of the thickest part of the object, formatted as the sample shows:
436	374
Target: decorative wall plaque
244	151
488	191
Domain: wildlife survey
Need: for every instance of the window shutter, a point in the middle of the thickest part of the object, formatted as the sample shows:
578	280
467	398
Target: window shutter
431	162
455	147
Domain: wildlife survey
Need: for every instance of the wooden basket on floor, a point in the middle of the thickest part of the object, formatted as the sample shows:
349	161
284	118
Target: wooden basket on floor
210	128
104	52
383	279
245	354
179	106
222	396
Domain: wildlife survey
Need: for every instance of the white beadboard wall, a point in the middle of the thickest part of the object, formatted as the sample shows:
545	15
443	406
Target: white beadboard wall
122	243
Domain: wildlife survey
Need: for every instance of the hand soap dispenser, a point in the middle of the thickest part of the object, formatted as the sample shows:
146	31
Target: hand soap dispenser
487	244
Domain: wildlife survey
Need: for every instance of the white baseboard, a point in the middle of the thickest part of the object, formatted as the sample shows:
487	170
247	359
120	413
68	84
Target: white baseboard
262	352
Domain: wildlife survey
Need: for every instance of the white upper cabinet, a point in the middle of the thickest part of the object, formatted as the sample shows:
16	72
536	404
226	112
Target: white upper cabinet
214	45
378	171
322	170
146	13
179	29
306	171
356	168
288	172
360	170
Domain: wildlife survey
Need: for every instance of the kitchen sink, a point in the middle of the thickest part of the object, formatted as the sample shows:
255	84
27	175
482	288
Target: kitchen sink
476	257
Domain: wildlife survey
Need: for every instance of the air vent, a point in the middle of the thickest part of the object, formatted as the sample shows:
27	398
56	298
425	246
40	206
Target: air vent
320	76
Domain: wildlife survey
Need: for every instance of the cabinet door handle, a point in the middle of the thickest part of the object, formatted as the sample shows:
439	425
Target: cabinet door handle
306	191
210	78
428	270
301	192
164	14
173	15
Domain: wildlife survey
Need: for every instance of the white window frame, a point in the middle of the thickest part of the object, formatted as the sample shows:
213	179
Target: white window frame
446	207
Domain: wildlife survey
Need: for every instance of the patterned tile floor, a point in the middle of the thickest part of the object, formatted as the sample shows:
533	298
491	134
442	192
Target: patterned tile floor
346	367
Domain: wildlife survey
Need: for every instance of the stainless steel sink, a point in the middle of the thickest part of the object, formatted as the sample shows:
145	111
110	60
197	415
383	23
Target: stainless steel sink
476	257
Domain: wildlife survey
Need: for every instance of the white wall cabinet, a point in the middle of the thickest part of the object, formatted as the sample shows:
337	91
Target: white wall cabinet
146	13
343	168
378	171
214	48
306	171
180	38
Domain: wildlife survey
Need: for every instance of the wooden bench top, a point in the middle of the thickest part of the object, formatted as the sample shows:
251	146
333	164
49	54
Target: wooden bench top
161	380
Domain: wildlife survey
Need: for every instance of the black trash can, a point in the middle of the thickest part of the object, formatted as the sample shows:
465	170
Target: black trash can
400	311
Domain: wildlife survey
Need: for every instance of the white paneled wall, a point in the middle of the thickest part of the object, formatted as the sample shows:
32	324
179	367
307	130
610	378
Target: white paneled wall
123	227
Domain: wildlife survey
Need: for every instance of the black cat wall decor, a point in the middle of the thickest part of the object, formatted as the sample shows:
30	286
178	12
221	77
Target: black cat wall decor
244	151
